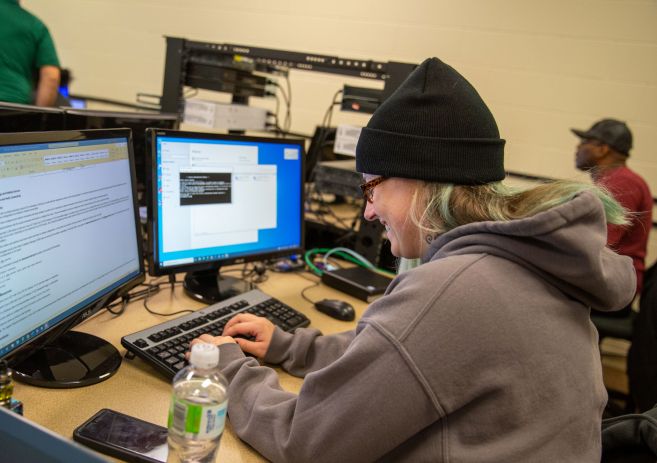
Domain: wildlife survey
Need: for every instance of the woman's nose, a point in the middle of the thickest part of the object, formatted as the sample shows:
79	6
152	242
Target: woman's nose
369	213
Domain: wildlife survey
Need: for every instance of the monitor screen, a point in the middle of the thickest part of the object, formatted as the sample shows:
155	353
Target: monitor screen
69	236
221	199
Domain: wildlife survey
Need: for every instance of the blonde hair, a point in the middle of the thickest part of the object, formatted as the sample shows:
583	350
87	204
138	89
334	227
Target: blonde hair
438	207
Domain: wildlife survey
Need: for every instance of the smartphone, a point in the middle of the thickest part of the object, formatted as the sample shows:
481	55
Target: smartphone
124	437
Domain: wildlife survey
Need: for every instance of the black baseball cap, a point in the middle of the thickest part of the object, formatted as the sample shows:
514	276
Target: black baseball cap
610	132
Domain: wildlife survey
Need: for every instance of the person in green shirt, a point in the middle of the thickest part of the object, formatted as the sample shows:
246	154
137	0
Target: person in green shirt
29	67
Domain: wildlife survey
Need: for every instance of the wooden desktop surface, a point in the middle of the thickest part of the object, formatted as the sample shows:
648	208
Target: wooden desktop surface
137	389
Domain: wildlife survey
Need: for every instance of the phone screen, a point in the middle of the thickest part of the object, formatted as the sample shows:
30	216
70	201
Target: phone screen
125	433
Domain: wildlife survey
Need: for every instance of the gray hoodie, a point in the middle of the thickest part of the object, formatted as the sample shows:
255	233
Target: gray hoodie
484	353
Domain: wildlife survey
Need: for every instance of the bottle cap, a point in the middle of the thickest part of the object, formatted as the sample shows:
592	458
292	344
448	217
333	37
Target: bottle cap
204	355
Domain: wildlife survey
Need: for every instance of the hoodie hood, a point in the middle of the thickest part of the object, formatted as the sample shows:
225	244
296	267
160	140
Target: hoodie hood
566	245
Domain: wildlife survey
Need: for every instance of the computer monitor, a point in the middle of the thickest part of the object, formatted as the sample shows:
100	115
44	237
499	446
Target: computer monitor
222	199
69	244
16	117
138	122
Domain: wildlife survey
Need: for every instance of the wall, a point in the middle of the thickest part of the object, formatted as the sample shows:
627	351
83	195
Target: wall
542	67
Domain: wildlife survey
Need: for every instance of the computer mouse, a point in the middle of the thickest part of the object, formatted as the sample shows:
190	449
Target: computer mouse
335	308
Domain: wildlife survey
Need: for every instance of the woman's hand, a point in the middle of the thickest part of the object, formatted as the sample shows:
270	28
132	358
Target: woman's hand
252	326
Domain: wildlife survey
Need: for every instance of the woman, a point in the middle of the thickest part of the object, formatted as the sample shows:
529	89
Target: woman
485	352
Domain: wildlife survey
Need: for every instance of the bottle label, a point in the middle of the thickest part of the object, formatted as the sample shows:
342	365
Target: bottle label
196	421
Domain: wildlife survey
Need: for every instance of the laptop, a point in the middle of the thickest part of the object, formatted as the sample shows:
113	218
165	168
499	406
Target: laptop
25	441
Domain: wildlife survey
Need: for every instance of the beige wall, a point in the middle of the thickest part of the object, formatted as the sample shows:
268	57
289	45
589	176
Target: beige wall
542	67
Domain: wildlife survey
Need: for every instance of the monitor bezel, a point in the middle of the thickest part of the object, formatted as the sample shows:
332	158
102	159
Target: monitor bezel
15	117
26	108
154	269
126	115
94	306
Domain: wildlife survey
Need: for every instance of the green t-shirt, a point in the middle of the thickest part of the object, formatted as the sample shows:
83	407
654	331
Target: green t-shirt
25	46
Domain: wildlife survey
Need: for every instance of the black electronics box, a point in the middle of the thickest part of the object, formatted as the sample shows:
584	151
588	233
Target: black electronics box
359	99
338	178
358	282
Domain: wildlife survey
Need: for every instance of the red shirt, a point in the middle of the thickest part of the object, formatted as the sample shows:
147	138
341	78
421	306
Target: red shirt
629	189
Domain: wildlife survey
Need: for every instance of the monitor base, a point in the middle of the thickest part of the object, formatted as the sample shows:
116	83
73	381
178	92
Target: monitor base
210	286
74	359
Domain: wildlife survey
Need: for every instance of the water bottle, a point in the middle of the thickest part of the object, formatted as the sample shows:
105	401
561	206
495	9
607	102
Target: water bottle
198	408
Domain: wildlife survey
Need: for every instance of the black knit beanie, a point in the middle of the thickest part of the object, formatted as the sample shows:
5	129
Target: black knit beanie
434	127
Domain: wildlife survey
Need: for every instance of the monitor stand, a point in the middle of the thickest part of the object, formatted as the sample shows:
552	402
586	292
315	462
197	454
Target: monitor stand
211	286
73	359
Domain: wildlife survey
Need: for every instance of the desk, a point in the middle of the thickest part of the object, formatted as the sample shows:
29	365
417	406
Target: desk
138	390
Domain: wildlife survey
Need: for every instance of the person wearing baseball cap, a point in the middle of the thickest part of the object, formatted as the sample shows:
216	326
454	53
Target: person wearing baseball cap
483	353
603	151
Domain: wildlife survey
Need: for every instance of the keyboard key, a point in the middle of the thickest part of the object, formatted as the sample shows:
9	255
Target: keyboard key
179	366
155	337
294	321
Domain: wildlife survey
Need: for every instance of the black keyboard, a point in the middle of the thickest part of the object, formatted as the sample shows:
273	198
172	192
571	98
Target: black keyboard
164	345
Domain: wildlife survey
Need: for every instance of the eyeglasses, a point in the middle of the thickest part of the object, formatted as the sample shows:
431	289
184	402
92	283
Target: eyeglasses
368	188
